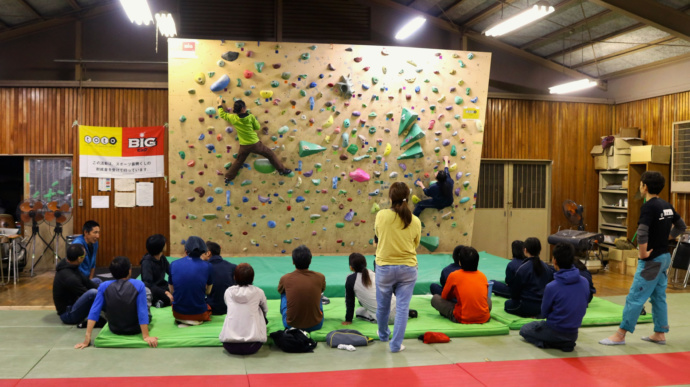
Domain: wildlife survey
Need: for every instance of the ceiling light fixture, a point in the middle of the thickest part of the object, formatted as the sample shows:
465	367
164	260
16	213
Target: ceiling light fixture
536	12
138	11
572	86
410	28
165	24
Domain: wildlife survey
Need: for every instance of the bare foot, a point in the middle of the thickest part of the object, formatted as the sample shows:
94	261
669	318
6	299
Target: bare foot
658	336
618	336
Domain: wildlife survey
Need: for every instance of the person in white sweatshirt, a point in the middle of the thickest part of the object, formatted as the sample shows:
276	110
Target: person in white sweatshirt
244	329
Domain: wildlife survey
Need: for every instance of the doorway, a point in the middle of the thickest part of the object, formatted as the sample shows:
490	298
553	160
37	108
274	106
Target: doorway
12	190
513	202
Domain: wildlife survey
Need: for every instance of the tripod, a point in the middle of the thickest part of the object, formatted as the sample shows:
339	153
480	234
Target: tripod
57	235
34	234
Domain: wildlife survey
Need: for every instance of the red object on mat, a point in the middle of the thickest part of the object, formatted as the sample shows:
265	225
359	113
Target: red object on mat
435	337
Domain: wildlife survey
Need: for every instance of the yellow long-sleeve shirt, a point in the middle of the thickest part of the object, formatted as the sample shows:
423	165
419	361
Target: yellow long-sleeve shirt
397	246
246	126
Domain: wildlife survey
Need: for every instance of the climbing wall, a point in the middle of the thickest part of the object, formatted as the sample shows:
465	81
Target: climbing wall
349	120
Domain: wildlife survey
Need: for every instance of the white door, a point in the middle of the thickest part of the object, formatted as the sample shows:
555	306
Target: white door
518	209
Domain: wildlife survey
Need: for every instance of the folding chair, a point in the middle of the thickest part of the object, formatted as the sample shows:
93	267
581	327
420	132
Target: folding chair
681	260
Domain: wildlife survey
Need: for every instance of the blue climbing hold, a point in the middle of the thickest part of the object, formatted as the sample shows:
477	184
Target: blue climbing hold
312	85
245	199
201	136
311	103
300	199
209	199
417	89
271	224
211	147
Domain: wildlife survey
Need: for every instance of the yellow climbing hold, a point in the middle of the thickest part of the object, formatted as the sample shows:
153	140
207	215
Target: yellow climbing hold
200	78
328	122
453	167
388	149
266	94
415	199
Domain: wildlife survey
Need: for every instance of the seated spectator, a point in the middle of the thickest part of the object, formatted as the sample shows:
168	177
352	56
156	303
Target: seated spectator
244	329
564	305
190	282
469	287
360	286
531	278
222	277
502	289
300	293
154	267
126	305
582	268
73	292
438	289
91	233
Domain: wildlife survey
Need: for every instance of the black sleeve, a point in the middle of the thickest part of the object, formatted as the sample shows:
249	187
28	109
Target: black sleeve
516	287
146	274
79	285
350	296
646	215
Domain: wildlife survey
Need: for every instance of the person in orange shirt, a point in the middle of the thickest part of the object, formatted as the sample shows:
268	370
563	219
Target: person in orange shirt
470	288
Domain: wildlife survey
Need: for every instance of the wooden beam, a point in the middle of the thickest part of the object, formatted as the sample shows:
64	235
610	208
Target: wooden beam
555	35
654	14
524	54
31	9
623	52
483	15
31	28
577	47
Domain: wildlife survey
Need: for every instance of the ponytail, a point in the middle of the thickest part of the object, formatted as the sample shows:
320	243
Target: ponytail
399	193
359	265
533	247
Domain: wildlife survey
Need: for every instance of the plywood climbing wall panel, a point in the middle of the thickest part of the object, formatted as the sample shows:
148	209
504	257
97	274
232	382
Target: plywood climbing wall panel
340	106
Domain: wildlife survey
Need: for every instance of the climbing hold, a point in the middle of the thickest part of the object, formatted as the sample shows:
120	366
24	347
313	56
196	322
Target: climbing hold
285	75
359	175
360	158
183	118
453	167
375	192
302	93
415	134
446	142
300	199
453	151
474	100
344	86
305	56
182	154
248	74
346	140
263	199
328	123
245	182
259	66
431	243
372	115
388	149
352	149
230	56
414	152
200	191
349	215
330	67
467	91
407	119
324	208
457	191
375	208
458	100
191	163
210	111
200	78
308	173
316	181
221	83
307	148
480	126
470	56
415	199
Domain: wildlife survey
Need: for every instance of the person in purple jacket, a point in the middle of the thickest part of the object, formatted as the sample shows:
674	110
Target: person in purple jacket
564	305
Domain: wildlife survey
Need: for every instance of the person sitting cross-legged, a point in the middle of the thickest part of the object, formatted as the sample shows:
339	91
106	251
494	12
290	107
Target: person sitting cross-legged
73	292
190	281
564	305
468	288
126	304
300	293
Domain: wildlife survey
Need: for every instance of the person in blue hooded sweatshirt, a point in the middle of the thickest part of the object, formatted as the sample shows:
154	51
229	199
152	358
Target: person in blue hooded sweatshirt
564	305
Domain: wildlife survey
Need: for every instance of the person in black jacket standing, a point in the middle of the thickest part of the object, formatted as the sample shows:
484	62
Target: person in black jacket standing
223	276
658	223
73	292
154	267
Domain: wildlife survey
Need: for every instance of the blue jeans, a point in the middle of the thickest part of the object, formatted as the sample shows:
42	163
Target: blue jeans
398	280
97	281
80	310
649	283
283	312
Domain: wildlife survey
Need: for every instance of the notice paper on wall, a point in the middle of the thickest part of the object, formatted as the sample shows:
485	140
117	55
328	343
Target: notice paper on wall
124	199
124	185
100	201
104	184
145	194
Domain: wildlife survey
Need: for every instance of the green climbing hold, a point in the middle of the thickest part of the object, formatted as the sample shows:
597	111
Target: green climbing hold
352	149
431	243
209	216
274	138
372	130
286	75
342	192
182	154
314	216
191	91
305	56
437	149
288	241
307	148
303	93
275	84
415	152
360	158
340	225
374	80
239	82
259	66
371	241
263	166
373	115
245	182
415	134
464	199
453	151
227	165
288	225
218	190
173	199
346	123
247	92
191	182
315	181
458	100
467	91
191	216
173	181
454	224
434	89
283	130
407	119
183	118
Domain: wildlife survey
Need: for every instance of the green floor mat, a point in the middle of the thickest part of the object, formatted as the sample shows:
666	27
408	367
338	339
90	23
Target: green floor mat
206	334
600	312
336	269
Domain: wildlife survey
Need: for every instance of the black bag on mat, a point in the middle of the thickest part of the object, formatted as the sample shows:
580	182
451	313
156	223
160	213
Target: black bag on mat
293	340
347	337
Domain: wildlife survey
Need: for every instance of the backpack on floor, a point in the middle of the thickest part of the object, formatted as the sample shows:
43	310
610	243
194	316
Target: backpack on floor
347	337
293	340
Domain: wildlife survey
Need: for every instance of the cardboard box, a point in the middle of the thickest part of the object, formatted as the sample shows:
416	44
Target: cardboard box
618	161
601	162
615	254
627	254
631	261
624	184
651	154
629	132
627	142
617	267
597	150
623	151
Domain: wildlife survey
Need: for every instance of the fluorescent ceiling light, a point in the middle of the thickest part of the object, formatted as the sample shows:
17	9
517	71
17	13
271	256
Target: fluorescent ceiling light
410	28
138	11
536	12
572	86
166	24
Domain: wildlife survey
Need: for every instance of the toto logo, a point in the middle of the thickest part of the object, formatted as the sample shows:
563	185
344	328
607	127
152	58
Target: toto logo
100	140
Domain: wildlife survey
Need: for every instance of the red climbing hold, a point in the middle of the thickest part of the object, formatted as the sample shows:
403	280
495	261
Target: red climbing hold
244	233
248	74
174	217
349	199
201	119
289	208
191	163
366	68
339	241
201	173
363	221
358	59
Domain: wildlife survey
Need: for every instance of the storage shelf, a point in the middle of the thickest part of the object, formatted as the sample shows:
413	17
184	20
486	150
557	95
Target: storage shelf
614	228
614	191
618	210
